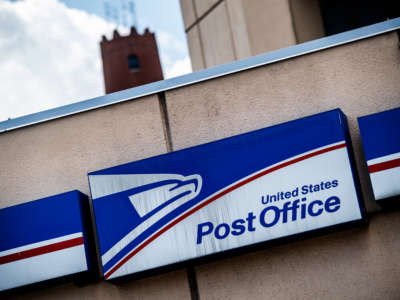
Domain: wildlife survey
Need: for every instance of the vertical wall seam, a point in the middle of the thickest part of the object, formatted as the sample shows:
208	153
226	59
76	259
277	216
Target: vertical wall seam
203	56
192	279
296	36
97	266
190	272
207	12
165	120
196	26
230	30
195	13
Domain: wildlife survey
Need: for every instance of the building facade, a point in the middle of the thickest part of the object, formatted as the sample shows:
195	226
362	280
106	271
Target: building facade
221	31
53	151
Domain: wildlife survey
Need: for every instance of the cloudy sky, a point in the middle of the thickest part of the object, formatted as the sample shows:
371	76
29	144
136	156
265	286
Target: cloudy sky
50	55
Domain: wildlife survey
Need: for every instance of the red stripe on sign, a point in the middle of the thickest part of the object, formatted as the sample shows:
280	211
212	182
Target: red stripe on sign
384	165
212	199
41	250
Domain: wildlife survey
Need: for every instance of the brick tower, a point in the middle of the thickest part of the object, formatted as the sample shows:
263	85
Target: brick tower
129	61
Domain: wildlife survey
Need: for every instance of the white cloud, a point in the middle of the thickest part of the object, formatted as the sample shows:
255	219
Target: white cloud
50	56
171	43
179	67
173	55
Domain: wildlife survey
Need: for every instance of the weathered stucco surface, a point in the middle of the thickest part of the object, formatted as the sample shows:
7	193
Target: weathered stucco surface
360	78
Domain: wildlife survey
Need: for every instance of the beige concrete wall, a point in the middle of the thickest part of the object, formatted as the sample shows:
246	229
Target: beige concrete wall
202	6
216	36
269	24
240	35
55	157
360	263
171	285
195	48
307	20
360	78
236	29
188	12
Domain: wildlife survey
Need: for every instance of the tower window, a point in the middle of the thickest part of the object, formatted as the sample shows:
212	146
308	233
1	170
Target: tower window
133	63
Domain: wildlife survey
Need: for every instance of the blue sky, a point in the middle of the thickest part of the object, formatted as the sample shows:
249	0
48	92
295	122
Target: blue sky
156	14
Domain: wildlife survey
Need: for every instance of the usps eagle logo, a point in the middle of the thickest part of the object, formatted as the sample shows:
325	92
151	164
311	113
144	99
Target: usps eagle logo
145	203
166	193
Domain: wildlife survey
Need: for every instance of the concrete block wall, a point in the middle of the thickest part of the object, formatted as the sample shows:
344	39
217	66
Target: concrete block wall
55	157
360	78
307	20
221	31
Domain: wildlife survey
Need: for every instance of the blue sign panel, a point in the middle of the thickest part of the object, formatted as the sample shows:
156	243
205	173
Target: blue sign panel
380	134
42	240
260	186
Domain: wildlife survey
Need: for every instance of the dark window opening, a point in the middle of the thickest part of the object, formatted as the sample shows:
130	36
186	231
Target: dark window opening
133	63
342	15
